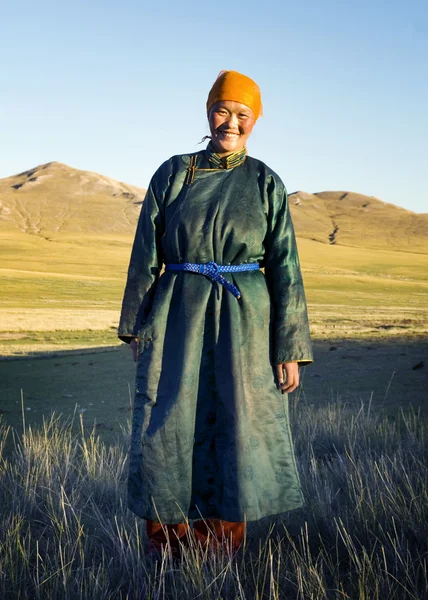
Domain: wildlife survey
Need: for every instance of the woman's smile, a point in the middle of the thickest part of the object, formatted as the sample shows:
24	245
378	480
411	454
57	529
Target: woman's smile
226	135
231	123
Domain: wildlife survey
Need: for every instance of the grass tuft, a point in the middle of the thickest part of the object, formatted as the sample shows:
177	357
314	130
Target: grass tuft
65	531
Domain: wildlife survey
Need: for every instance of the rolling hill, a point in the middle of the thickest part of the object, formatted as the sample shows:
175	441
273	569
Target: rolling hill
55	201
350	219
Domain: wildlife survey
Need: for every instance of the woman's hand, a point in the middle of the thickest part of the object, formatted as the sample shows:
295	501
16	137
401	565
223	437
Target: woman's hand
288	376
133	344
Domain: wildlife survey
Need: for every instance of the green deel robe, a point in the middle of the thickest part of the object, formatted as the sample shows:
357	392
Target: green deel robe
211	433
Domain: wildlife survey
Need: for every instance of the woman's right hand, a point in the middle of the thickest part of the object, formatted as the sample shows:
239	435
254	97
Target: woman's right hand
134	348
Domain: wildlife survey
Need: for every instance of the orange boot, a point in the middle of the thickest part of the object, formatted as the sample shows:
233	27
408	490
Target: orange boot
216	532
162	536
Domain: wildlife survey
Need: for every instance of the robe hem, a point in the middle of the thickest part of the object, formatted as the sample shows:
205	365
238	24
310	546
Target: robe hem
242	518
127	337
302	362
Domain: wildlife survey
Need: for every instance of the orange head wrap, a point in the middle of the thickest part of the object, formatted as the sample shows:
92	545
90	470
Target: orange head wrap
231	85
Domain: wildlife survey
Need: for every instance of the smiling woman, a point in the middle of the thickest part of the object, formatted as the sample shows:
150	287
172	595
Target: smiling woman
218	342
233	107
231	123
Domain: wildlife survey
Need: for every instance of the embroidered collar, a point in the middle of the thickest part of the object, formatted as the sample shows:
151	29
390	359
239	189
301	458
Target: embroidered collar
226	162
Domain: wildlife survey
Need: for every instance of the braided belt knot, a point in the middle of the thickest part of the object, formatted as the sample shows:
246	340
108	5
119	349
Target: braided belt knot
213	271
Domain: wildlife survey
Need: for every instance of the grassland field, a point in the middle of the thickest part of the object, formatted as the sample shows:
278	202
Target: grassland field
60	303
359	422
75	286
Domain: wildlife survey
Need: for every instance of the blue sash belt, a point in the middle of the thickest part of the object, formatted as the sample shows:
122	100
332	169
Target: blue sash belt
212	270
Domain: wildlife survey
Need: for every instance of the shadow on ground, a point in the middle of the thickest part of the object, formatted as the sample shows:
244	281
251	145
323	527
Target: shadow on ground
98	384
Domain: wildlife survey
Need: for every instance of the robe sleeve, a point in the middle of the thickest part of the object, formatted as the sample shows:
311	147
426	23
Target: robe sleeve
146	261
282	269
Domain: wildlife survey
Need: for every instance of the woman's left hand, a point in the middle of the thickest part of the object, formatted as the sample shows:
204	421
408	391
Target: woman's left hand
288	376
134	348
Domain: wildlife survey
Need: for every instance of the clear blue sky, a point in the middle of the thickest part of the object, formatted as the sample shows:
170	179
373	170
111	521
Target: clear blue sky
118	87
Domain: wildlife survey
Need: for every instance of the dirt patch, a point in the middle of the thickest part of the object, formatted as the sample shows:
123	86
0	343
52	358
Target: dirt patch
389	373
12	336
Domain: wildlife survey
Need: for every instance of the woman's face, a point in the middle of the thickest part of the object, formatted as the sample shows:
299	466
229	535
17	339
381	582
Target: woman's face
231	124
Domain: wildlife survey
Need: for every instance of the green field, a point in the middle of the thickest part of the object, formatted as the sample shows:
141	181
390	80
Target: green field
72	290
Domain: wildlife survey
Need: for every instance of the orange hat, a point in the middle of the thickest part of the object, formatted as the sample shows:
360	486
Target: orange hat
231	85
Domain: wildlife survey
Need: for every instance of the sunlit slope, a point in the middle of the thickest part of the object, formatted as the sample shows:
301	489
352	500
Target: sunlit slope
57	202
65	243
67	233
349	219
54	200
65	236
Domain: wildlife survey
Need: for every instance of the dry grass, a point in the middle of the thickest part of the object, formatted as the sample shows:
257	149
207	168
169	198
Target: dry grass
57	319
66	533
336	321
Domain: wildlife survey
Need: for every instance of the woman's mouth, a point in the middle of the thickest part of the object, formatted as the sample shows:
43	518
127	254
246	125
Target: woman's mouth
230	135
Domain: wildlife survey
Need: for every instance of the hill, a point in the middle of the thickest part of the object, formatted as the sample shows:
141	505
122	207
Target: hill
55	200
350	219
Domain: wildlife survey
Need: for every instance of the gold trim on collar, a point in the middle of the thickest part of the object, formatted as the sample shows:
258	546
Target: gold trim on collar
226	162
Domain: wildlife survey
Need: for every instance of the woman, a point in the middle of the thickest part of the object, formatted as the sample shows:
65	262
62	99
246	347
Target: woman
218	340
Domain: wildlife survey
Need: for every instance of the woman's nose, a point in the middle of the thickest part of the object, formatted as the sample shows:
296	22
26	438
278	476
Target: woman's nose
233	121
